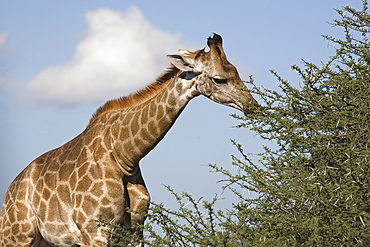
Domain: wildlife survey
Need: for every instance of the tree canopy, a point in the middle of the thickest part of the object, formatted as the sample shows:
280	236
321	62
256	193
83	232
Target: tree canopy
312	187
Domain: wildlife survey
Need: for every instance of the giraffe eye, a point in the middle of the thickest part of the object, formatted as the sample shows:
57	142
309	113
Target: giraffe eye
219	80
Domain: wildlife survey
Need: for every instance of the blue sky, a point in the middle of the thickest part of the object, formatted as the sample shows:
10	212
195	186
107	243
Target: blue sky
61	60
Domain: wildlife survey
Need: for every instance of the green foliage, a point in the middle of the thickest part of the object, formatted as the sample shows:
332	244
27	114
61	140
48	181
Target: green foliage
195	223
119	235
312	188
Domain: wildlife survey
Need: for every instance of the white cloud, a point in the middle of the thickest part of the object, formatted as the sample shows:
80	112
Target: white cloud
120	53
3	39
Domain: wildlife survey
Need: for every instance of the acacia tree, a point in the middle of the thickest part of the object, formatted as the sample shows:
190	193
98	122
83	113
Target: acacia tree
312	189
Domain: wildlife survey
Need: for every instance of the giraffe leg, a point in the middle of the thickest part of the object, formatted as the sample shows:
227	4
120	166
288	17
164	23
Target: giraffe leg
22	232
139	203
41	242
91	233
93	239
13	234
18	225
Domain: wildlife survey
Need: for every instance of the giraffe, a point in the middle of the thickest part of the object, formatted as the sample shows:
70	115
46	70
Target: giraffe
57	198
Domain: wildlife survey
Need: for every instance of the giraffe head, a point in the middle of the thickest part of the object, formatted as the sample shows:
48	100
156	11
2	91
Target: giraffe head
213	75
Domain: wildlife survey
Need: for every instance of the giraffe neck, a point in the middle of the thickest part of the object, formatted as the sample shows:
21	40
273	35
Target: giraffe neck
135	131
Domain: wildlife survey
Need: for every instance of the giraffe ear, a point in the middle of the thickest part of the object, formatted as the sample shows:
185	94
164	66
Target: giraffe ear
182	62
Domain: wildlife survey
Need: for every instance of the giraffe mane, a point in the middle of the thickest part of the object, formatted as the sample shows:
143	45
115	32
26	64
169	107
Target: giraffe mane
138	97
192	54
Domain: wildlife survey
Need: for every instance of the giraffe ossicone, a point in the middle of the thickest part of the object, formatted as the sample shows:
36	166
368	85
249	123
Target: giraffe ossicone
57	199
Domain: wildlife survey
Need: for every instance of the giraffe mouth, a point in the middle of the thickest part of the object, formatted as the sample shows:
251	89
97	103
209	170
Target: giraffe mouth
236	106
243	106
